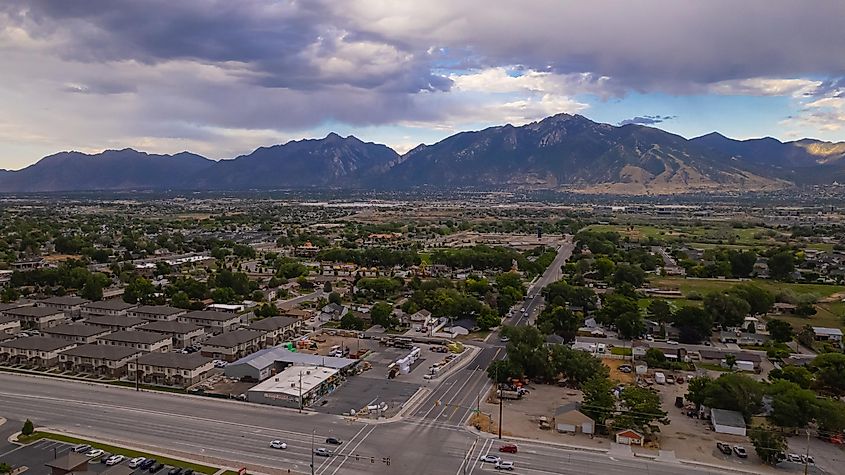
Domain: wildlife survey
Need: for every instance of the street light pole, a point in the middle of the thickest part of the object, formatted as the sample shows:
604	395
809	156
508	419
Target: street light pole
312	450
300	392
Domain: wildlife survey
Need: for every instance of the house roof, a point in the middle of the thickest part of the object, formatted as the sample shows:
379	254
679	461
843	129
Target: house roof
570	414
629	433
68	462
112	304
740	355
174	360
36	312
9	306
134	336
75	329
114	321
210	315
168	326
67	300
39	343
273	323
233	338
105	352
269	356
724	417
827	331
158	310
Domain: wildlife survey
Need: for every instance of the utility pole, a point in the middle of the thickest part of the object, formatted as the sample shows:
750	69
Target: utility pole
300	392
137	376
312	450
807	455
500	412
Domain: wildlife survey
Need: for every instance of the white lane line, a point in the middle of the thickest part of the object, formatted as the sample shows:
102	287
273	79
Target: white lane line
485	449
330	460
346	457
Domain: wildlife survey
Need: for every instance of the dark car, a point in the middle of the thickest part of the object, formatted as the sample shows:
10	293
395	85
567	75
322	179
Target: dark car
156	468
147	464
509	448
105	456
188	472
333	441
174	471
724	448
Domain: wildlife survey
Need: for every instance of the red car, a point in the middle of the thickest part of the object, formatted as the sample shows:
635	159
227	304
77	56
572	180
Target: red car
510	448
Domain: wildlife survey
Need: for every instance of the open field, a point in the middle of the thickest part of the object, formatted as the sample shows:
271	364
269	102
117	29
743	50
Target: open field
703	286
702	236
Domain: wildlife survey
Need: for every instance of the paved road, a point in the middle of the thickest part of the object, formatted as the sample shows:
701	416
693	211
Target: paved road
533	306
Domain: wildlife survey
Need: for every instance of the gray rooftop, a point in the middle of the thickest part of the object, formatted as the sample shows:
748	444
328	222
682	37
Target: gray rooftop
132	336
75	329
158	310
66	300
723	417
169	327
210	315
105	352
40	343
233	338
740	355
115	321
9	306
33	311
269	356
174	360
273	323
112	304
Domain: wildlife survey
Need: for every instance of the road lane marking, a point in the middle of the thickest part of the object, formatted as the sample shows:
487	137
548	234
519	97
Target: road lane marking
352	451
329	460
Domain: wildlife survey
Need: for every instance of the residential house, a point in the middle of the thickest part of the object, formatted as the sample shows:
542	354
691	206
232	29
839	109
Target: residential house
140	340
170	369
422	321
828	334
115	323
278	329
332	312
213	322
569	418
156	312
9	325
37	318
183	334
76	332
102	360
233	345
38	351
111	308
629	437
742	338
70	305
744	360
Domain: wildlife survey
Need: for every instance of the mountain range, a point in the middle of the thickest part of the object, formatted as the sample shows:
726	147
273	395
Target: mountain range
560	152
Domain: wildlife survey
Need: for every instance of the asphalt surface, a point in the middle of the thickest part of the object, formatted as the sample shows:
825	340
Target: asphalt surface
534	304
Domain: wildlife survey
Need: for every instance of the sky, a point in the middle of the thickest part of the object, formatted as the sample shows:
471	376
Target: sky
221	78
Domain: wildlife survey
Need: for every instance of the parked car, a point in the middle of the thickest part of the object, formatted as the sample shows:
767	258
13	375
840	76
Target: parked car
278	444
136	462
156	468
174	471
794	458
82	448
509	448
188	472
490	458
502	465
670	379
740	451
94	453
724	448
334	441
625	368
105	456
504	339
115	459
808	459
147	464
322	452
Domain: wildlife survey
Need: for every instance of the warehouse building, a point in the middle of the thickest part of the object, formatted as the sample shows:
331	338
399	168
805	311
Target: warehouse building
296	386
267	362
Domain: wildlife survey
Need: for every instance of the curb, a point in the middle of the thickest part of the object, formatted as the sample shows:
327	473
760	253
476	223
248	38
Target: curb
580	448
472	349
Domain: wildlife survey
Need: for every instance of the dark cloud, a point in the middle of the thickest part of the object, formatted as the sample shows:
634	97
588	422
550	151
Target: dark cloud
647	119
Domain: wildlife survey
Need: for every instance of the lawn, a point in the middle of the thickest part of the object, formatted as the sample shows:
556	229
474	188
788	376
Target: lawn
830	315
704	236
703	286
118	450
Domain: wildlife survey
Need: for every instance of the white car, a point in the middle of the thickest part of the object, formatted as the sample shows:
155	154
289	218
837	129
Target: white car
794	458
134	463
322	452
93	453
502	465
672	342
490	458
278	444
115	459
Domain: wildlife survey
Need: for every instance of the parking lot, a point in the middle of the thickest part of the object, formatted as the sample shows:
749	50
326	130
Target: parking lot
37	454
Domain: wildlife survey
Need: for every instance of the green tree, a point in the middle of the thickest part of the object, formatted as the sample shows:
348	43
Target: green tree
605	268
614	305
805	309
334	297
779	330
351	322
224	295
742	262
488	318
759	299
730	361
500	371
327	287
599	402
575	366
791	405
630	325
806	336
693	324
139	290
629	274
735	392
796	374
93	289
640	410
559	321
28	428
660	311
781	265
830	416
830	372
727	309
267	310
180	300
382	314
655	358
768	444
697	390
5	468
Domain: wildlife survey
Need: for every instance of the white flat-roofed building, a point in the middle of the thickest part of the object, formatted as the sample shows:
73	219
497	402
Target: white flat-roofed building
156	312
145	341
295	386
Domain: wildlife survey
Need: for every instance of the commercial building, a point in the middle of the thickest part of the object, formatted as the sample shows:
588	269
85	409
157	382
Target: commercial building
267	362
278	329
170	369
232	345
182	334
38	351
213	322
103	360
145	341
36	318
156	312
76	332
727	422
71	306
296	386
114	307
115	322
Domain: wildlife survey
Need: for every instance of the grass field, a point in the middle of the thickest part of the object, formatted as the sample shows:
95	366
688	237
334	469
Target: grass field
703	286
118	450
700	236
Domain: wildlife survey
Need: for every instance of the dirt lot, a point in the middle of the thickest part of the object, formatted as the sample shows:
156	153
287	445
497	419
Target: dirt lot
615	374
